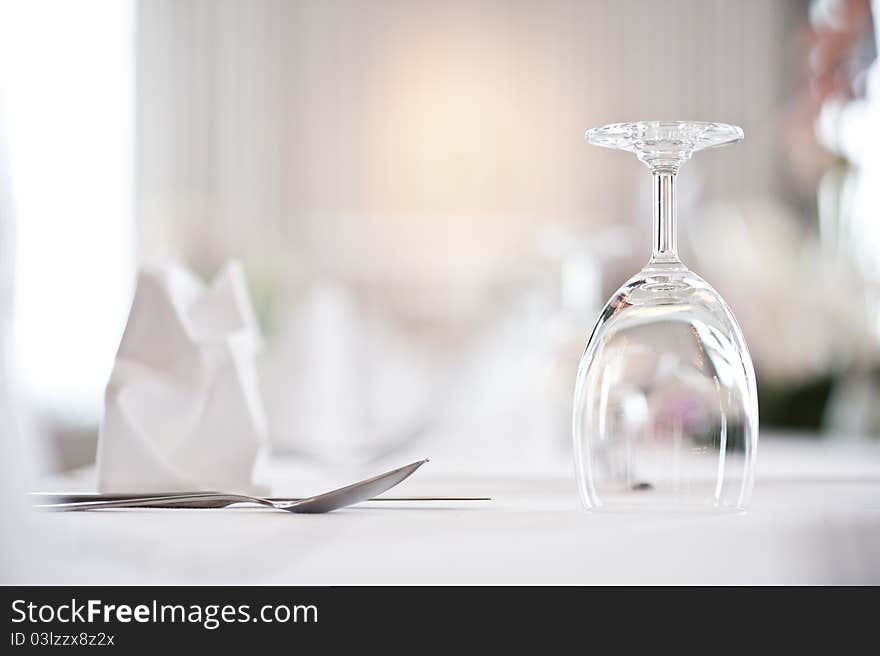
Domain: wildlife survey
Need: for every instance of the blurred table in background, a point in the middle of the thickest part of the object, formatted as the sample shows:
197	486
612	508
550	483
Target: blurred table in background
815	518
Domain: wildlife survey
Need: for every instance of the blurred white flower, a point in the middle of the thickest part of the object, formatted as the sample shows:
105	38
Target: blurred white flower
802	310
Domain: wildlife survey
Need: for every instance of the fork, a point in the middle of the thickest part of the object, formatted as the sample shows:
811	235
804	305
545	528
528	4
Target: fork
321	503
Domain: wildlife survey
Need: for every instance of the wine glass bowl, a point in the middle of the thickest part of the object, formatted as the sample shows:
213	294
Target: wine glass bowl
665	409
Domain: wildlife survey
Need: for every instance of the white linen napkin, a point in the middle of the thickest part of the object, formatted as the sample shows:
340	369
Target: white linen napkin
182	407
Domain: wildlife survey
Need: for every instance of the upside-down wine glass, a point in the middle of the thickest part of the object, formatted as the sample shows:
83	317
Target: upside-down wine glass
665	406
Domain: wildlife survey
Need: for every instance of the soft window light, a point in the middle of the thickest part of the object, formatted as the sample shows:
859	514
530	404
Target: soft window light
68	108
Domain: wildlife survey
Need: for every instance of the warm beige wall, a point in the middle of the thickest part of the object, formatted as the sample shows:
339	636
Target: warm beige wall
427	140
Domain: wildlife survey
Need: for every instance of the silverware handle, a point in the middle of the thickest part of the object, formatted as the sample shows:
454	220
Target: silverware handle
42	498
72	497
211	500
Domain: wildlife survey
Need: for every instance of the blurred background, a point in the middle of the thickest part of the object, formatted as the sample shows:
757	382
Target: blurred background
427	238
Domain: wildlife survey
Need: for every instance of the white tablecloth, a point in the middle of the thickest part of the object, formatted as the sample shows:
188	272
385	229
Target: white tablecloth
815	518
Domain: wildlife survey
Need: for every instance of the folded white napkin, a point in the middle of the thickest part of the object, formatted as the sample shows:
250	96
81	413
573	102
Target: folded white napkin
182	408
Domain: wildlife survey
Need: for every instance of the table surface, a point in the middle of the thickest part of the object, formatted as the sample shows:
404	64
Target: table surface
815	518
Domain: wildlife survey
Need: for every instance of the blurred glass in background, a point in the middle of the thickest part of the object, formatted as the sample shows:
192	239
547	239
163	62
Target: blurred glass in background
428	240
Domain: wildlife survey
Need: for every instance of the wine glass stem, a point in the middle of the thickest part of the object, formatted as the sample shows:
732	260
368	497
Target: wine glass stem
665	246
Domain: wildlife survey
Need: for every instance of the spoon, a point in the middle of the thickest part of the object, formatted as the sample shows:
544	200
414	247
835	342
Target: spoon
322	503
